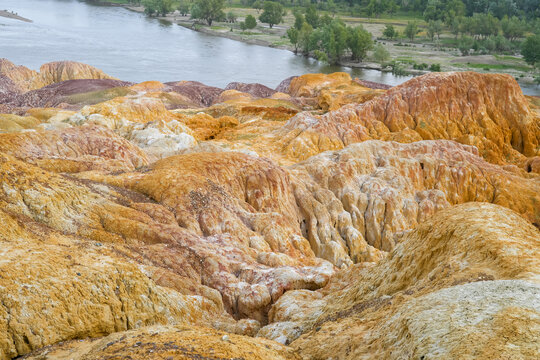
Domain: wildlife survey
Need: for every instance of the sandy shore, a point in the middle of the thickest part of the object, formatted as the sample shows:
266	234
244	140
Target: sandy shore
10	15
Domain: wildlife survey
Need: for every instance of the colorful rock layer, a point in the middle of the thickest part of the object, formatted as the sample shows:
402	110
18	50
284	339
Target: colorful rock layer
322	219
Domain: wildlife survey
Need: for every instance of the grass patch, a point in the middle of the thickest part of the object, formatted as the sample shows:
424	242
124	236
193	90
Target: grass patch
498	66
507	58
405	60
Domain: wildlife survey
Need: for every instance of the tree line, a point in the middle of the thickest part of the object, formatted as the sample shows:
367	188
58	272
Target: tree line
327	38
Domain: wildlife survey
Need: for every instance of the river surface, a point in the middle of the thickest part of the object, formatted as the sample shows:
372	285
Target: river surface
132	47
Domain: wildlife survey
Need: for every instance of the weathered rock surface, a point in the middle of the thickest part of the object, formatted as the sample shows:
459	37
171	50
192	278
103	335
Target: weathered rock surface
464	107
73	93
455	286
201	94
364	194
14	123
158	220
330	92
243	218
57	287
50	73
256	90
74	149
161	342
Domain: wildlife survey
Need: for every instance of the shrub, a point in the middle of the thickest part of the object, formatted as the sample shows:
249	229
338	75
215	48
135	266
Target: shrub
321	56
250	22
380	54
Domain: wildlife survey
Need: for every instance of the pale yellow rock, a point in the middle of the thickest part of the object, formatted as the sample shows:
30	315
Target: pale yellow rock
15	123
56	287
168	342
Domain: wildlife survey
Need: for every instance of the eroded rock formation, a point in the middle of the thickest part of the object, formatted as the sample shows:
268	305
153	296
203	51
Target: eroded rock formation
50	73
336	218
453	287
464	107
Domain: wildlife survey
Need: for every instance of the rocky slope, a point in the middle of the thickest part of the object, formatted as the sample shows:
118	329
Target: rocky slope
328	218
454	287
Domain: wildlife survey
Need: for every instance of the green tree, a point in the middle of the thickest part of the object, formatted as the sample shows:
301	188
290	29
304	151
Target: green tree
380	54
157	7
431	30
250	22
333	40
370	8
484	25
312	17
208	10
438	28
434	10
183	8
411	30
258	5
298	20
513	28
379	6
392	7
389	32
231	17
305	38
292	34
331	7
325	20
465	45
195	11
453	9
356	10
455	26
531	50
272	13
359	41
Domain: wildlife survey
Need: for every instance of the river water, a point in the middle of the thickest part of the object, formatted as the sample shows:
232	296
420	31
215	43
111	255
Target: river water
132	47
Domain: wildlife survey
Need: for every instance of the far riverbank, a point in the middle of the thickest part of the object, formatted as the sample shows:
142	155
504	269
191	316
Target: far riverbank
404	54
224	30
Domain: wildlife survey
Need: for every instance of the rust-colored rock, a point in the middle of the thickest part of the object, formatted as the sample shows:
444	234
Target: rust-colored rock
256	90
465	107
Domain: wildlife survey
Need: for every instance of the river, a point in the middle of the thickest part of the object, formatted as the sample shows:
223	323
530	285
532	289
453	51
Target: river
132	47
